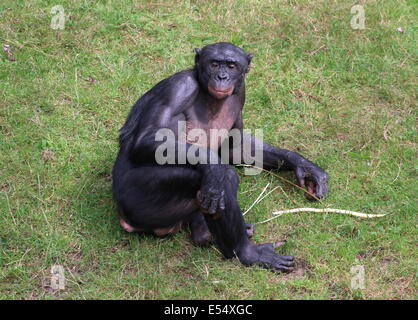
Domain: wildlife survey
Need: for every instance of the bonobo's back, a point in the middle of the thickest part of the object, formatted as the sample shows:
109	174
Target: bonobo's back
159	94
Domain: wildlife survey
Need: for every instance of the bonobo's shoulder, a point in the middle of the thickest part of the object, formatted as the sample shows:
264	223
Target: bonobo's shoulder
185	75
184	81
179	90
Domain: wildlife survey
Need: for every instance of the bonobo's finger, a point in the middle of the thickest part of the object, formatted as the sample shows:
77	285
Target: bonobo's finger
288	258
213	206
301	182
322	189
319	190
222	203
300	177
283	265
206	202
284	268
199	196
311	188
287	263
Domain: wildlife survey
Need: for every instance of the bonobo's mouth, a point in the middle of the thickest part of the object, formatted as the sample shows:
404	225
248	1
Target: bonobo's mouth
220	93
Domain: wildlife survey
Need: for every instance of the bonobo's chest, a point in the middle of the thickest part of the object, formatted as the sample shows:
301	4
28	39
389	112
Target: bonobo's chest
208	125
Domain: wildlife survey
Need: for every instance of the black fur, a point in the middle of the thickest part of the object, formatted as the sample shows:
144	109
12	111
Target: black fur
151	196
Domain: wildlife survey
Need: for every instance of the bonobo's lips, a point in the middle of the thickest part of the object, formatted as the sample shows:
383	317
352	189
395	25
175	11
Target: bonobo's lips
220	93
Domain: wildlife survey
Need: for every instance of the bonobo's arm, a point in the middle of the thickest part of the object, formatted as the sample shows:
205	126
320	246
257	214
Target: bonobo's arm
308	174
165	104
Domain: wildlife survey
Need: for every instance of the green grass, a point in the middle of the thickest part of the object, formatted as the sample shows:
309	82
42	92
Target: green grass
350	106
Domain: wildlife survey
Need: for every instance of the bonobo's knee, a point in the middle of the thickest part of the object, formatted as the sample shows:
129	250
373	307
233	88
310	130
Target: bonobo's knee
232	176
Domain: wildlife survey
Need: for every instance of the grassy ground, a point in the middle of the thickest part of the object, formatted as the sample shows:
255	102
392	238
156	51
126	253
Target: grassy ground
344	98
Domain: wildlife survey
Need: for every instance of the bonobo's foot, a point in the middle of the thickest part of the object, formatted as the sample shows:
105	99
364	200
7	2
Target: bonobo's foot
159	232
128	228
250	229
264	255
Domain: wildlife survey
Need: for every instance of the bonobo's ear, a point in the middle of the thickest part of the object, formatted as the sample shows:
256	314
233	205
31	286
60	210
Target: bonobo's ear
197	56
249	57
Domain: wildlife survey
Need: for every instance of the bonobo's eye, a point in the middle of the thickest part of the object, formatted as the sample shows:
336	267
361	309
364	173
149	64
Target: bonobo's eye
231	65
214	64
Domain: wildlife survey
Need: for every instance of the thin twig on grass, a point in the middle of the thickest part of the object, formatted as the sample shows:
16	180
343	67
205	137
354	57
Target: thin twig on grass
325	210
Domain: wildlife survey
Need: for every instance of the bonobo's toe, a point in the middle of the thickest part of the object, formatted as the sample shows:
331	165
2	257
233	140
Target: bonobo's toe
269	259
279	243
250	229
288	258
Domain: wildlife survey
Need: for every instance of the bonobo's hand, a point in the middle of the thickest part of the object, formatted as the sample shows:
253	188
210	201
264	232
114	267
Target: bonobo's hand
211	193
314	179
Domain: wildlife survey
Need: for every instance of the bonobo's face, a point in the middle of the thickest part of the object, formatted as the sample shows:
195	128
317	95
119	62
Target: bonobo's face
221	68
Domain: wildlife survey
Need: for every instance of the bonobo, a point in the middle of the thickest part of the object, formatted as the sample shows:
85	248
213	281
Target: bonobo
196	187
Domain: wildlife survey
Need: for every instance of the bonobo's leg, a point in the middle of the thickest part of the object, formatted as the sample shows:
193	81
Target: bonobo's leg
229	231
149	201
199	230
234	180
200	233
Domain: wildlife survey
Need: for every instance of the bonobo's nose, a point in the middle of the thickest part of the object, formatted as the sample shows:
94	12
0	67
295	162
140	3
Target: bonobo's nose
223	76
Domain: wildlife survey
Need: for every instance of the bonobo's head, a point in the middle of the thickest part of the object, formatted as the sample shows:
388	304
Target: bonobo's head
221	68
